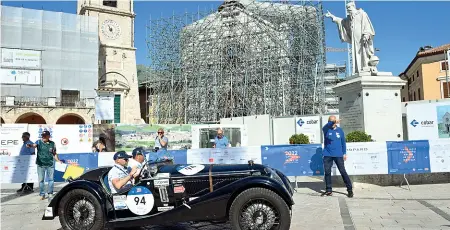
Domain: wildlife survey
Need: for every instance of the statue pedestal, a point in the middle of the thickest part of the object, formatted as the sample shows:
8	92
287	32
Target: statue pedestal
372	104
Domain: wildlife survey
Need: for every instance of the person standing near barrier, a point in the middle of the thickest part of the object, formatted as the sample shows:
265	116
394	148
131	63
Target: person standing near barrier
45	160
161	141
220	141
100	145
25	151
335	149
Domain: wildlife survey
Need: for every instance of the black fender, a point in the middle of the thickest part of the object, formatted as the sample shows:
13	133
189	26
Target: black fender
261	182
94	188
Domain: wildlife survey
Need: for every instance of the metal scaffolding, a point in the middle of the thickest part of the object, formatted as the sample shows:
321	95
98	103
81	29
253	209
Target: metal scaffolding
246	58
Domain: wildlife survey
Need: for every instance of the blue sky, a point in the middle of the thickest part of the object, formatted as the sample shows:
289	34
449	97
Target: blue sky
401	27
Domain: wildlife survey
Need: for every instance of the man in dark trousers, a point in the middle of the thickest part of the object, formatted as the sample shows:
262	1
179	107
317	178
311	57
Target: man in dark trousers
24	151
335	149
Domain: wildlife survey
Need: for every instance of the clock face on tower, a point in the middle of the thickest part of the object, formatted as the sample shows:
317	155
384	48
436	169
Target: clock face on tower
110	29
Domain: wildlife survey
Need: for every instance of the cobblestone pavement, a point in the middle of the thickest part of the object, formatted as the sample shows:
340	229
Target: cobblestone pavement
373	207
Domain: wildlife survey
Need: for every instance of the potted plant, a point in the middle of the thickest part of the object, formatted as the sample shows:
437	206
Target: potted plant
298	139
358	136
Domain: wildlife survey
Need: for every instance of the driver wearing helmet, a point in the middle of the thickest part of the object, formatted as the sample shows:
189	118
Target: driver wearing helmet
119	178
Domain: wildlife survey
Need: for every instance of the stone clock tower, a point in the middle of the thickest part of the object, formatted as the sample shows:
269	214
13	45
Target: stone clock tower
117	55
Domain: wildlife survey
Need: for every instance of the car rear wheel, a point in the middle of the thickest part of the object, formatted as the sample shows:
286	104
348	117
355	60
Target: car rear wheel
259	209
80	210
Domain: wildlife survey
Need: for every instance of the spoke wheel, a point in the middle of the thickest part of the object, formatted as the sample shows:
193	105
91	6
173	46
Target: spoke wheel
80	213
259	209
259	214
80	210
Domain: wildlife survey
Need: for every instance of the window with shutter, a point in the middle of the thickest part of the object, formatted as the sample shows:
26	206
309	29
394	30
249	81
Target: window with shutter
117	109
445	89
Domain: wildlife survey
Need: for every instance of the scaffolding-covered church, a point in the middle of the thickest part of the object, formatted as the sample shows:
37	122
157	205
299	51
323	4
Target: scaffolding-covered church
245	58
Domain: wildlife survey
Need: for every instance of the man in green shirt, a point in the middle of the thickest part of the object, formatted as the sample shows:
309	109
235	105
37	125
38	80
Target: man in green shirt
45	160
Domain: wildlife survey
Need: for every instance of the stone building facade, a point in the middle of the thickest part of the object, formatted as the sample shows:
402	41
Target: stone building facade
49	67
117	55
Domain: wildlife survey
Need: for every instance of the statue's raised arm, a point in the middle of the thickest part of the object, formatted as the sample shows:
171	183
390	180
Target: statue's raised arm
357	30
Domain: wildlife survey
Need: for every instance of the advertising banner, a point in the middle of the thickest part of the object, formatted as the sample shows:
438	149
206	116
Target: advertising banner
21	58
20	76
104	107
239	155
11	138
203	135
440	155
18	169
107	132
408	157
310	126
68	138
105	159
88	161
129	137
366	158
428	121
294	160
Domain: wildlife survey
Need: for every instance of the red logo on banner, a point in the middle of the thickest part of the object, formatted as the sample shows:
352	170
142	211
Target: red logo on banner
64	141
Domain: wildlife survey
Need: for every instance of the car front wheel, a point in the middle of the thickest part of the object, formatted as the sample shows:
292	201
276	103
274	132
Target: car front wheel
259	209
80	210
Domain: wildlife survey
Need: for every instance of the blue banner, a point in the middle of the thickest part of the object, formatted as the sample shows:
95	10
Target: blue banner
408	157
88	161
294	160
178	156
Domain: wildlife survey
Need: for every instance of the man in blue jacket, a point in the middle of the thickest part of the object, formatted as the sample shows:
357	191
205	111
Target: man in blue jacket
335	149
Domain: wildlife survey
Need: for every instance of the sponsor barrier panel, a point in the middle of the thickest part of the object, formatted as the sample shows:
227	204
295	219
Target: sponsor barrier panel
239	155
365	159
88	161
405	157
11	138
67	138
294	160
408	157
439	155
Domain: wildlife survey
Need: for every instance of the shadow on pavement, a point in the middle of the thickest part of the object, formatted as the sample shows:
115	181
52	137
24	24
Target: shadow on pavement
315	186
15	196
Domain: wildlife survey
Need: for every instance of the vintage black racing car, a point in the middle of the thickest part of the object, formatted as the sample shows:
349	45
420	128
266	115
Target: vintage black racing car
250	196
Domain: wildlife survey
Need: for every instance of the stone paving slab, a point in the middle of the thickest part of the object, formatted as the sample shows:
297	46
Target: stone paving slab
373	207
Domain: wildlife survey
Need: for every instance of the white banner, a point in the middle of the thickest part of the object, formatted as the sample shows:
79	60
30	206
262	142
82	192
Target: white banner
18	169
440	155
310	126
20	76
68	138
104	107
11	138
428	121
21	58
225	156
365	159
106	159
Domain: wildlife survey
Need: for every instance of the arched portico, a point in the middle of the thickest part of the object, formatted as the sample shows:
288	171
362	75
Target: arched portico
70	119
31	118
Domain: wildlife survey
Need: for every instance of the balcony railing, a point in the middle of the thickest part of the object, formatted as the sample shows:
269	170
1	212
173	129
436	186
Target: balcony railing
46	102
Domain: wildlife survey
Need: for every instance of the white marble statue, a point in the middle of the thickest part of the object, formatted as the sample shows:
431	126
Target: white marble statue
357	30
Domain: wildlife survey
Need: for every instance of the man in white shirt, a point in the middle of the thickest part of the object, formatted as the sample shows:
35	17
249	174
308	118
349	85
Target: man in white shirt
119	178
137	160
